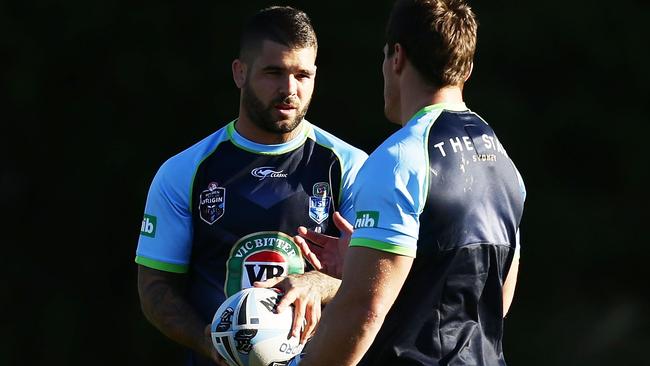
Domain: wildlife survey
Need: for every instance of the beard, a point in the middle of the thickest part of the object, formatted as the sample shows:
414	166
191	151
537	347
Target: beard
262	115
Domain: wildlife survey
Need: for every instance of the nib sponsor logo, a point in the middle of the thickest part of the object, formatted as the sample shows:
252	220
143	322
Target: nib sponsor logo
366	219
263	265
148	227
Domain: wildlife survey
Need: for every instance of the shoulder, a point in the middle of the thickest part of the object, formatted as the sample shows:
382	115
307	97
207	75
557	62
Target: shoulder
405	150
180	168
342	149
398	169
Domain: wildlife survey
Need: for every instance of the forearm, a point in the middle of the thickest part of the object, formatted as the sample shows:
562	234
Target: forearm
344	341
167	309
509	285
326	285
371	281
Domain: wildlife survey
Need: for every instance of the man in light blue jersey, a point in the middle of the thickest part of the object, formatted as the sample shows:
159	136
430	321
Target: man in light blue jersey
220	215
432	261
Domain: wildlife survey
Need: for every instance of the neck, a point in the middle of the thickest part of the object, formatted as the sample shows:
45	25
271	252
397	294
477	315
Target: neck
416	94
412	102
251	131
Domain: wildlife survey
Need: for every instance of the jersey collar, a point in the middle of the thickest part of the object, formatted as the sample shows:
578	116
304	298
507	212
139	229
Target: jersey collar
458	107
274	149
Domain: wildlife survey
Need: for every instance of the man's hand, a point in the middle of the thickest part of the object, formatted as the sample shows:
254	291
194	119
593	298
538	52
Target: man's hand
324	252
306	292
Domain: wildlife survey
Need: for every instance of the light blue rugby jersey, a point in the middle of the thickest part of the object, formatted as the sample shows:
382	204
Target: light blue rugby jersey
223	211
391	189
442	190
167	229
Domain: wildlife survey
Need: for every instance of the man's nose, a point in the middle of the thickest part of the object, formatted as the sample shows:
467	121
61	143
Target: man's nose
289	85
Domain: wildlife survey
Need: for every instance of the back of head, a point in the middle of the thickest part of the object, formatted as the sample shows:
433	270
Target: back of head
281	24
438	37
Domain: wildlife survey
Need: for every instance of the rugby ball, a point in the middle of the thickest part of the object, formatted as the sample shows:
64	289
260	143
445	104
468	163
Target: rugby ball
246	330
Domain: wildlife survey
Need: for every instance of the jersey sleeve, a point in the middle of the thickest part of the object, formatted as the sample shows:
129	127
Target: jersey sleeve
351	159
351	163
166	232
389	196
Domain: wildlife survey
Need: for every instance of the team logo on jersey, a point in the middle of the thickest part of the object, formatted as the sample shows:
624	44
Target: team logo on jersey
148	227
319	203
319	208
264	172
366	219
212	203
260	256
321	189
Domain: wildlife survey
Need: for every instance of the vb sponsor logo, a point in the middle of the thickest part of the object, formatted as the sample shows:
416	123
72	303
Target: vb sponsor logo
148	227
260	256
263	265
366	219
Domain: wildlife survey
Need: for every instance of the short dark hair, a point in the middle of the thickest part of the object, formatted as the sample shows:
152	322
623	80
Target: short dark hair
438	37
282	24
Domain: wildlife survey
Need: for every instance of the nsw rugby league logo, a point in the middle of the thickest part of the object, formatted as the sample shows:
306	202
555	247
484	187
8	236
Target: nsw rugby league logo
319	203
212	203
260	256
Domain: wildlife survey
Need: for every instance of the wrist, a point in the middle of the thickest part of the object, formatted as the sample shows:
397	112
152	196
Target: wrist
325	285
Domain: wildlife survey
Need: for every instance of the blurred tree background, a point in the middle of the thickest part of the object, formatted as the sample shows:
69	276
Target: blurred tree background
97	94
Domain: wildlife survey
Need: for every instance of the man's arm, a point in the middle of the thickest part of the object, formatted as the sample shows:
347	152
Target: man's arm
510	284
163	303
371	282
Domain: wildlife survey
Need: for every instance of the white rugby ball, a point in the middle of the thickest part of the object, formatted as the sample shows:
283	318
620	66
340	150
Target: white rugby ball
246	331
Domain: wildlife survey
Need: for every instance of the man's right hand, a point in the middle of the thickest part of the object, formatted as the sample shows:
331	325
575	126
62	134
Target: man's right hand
324	252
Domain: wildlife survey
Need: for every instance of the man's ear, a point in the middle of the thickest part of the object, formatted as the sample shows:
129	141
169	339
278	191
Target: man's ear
469	73
239	73
399	58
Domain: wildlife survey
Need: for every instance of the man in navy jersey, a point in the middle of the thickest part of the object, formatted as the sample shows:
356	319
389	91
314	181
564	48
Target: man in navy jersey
220	215
431	266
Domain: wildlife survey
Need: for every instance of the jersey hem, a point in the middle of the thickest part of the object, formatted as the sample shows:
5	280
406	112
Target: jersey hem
383	246
162	266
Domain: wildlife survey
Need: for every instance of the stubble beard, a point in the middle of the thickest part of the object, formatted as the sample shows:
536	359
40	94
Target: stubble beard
262	115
